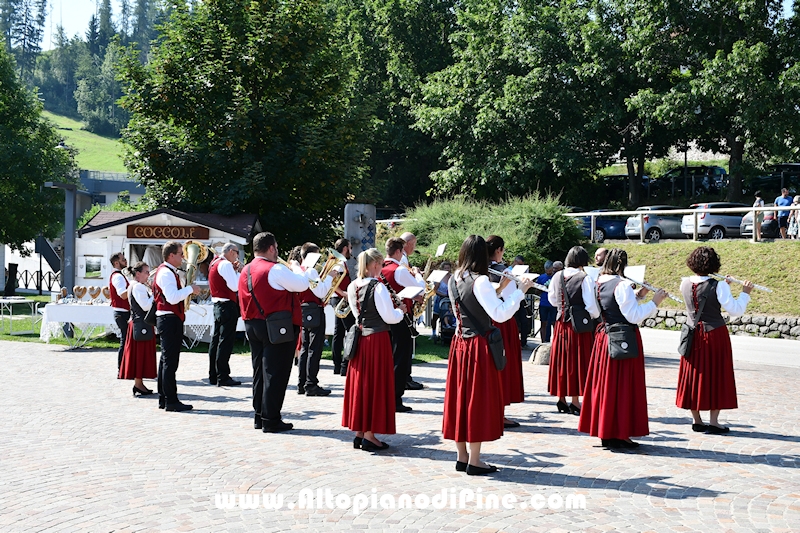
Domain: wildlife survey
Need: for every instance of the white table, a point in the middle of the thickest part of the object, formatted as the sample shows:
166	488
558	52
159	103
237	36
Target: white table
7	309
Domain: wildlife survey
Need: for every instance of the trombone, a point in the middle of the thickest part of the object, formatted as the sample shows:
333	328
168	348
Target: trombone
740	282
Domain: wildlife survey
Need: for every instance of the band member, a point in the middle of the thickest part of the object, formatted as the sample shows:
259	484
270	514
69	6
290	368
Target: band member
369	389
396	276
313	336
571	351
409	248
139	358
511	375
118	288
273	288
223	280
600	256
615	396
170	314
342	324
705	377
473	399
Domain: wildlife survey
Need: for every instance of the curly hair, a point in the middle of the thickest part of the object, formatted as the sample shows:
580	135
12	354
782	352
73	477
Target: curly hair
615	263
703	261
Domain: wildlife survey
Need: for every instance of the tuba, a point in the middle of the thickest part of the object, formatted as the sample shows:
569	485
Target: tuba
194	252
335	259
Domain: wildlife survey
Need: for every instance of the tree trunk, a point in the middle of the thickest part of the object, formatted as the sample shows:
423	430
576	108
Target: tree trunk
633	183
735	166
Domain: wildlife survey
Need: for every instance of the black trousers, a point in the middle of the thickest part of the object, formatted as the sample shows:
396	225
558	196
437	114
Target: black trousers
226	315
402	351
121	319
170	331
523	322
339	331
272	366
310	354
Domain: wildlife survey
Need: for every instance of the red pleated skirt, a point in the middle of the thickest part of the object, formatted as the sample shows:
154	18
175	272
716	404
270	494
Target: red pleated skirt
369	389
473	397
138	358
615	397
705	379
511	375
570	353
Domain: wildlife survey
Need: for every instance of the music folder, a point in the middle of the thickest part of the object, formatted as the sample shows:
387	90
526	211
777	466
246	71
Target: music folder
440	250
437	276
311	259
410	292
519	270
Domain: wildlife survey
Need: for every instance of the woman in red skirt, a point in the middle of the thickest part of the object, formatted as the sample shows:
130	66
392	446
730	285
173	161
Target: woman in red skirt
570	351
511	375
369	405
615	396
705	377
139	357
473	398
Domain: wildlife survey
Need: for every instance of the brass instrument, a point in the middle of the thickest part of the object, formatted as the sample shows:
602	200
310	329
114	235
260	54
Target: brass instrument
740	282
430	291
194	252
334	259
655	289
342	309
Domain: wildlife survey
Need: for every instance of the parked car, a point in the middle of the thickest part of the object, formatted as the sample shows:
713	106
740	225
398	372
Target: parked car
656	227
769	227
606	227
707	180
770	186
618	186
713	225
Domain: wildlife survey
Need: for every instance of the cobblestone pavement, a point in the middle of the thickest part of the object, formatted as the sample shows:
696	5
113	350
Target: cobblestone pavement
80	454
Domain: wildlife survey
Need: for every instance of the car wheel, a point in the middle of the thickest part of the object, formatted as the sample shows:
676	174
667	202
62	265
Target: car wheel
599	235
653	235
716	233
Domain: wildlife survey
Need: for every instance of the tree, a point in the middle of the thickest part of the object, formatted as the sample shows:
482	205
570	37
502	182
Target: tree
27	30
105	28
8	17
124	21
30	157
142	32
246	107
97	94
93	36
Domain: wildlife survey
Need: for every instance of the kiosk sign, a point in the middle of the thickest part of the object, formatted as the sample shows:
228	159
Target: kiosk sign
179	233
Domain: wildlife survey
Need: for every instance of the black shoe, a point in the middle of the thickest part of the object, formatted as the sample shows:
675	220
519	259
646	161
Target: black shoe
229	382
178	407
369	446
277	428
357	442
337	371
510	424
161	406
574	409
212	381
627	444
400	408
461	466
716	430
301	389
479	470
699	428
141	392
316	390
562	407
414	385
610	443
257	422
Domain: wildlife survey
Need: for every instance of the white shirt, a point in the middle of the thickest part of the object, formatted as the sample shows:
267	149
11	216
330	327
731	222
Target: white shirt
632	310
588	288
283	279
322	287
404	277
404	260
120	286
169	286
382	298
228	273
733	306
142	295
497	309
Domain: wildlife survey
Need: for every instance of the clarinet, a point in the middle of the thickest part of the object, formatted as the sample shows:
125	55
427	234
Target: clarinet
398	302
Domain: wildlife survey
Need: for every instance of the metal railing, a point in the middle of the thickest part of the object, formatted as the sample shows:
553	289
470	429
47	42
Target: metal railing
27	279
675	212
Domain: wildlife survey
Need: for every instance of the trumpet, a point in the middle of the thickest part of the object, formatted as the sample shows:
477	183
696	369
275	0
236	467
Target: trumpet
655	289
516	279
338	259
740	282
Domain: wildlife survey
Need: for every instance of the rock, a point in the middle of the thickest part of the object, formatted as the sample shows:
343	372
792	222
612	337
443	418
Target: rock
733	329
784	328
670	313
759	320
670	322
773	327
795	331
773	335
780	320
736	320
785	336
661	313
792	322
741	332
764	329
650	323
751	328
744	319
680	319
541	355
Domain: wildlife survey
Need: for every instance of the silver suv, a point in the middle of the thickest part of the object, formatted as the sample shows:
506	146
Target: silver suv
656	227
713	225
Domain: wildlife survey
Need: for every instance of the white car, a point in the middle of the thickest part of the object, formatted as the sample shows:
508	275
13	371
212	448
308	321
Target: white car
713	225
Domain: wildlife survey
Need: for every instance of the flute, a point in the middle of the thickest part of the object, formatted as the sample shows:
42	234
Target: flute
517	279
655	289
740	282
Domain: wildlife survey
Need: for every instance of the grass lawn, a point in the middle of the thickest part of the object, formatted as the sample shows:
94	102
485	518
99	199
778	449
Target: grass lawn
95	152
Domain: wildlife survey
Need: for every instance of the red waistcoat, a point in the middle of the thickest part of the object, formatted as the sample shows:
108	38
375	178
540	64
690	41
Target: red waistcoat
217	284
116	300
388	270
308	296
271	300
161	302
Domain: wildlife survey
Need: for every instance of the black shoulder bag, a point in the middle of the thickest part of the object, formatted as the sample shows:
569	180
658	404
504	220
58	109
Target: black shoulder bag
142	329
579	317
687	330
353	334
493	336
280	328
623	342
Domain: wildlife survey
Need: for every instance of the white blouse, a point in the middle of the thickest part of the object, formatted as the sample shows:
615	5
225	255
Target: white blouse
497	309
383	301
631	309
142	295
734	306
588	289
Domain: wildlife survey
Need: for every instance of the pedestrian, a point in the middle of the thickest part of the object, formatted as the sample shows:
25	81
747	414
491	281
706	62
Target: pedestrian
794	220
341	324
547	313
784	200
758	216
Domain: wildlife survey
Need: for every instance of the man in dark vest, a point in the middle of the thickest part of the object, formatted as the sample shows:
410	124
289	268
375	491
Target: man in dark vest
313	336
168	297
223	280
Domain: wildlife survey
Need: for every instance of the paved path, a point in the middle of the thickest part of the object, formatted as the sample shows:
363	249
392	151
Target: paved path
78	453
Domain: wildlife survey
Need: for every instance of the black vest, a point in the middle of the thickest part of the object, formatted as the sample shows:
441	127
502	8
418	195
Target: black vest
371	320
610	311
712	311
494	278
572	287
463	288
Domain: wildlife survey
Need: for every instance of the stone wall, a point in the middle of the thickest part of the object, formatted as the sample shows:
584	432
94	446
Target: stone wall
754	325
